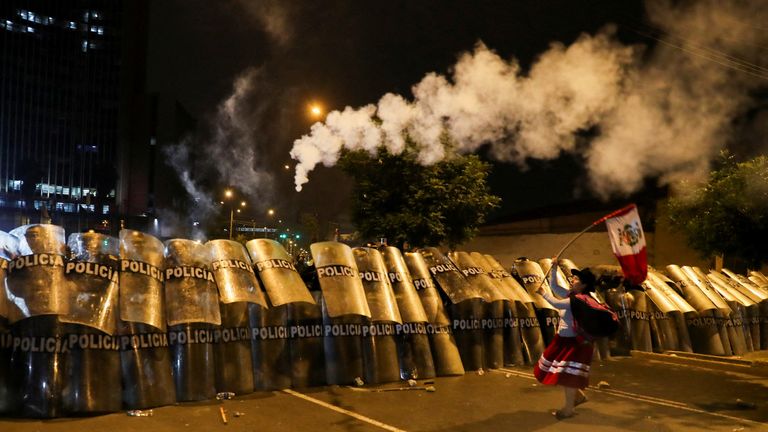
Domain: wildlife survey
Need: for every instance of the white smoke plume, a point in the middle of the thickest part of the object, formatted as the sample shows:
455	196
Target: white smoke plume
229	154
273	16
663	115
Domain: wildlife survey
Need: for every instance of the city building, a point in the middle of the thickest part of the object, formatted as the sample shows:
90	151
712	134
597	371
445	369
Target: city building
72	80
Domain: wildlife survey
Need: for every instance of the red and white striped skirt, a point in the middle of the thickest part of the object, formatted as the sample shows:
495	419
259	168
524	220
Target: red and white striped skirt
565	362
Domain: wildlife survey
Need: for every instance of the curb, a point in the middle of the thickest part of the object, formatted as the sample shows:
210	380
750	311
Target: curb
728	364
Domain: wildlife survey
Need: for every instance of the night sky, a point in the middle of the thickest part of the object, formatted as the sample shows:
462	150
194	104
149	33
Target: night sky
350	53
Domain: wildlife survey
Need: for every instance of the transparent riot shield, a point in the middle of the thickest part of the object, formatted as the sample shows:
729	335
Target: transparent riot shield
144	354
703	326
7	251
192	300
298	359
340	282
739	330
465	307
531	275
36	288
513	354
759	290
723	313
754	313
677	312
494	306
345	311
277	272
93	365
142	262
238	288
415	356
380	344
307	354
445	353
530	331
663	329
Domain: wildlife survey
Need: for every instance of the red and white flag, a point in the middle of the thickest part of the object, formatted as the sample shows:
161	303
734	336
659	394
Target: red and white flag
628	243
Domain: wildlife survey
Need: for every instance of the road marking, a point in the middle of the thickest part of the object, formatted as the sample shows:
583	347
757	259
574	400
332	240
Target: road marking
644	398
344	411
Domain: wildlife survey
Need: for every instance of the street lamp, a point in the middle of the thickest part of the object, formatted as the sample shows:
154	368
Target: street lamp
228	194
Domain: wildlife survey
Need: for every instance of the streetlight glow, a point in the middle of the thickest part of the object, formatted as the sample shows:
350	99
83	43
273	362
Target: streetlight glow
315	110
271	212
228	193
242	203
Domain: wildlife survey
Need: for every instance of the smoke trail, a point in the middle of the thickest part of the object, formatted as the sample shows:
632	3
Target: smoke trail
229	153
273	16
662	117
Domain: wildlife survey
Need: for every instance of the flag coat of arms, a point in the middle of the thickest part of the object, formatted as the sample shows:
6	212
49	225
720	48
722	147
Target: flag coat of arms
628	243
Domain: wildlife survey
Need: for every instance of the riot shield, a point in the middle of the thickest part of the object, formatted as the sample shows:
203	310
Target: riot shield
739	330
413	343
93	365
234	273
340	282
144	355
513	354
345	311
512	285
445	353
270	347
530	330
238	288
277	273
532	276
465	307
380	344
668	316
192	300
142	263
758	278
756	289
35	284
36	288
754	312
7	250
703	326
723	314
294	359
307	354
493	319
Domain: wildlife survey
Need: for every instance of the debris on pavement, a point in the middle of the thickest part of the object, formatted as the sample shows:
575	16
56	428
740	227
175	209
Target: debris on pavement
745	405
603	385
140	413
359	382
225	395
223	414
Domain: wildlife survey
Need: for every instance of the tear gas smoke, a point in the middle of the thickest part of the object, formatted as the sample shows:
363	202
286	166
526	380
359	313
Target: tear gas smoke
229	153
662	114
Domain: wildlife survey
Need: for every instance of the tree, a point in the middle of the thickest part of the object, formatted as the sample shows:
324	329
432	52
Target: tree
397	198
729	214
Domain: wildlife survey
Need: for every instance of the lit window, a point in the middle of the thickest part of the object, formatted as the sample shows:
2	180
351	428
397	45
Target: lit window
24	14
72	25
105	209
100	30
30	30
95	15
85	46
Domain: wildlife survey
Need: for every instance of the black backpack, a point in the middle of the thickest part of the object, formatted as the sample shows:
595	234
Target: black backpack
591	318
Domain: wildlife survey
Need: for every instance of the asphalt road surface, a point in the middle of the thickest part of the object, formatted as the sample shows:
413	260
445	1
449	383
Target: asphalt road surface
644	395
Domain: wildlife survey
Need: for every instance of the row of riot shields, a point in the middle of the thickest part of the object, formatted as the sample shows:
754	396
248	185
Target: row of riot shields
93	324
685	309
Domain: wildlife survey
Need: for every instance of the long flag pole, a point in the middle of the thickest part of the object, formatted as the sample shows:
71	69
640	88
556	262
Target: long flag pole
587	228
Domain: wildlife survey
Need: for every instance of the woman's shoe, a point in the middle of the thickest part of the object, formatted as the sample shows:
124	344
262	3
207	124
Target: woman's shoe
562	415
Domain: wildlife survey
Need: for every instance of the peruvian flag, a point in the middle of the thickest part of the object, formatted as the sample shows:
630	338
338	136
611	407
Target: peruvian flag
628	243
